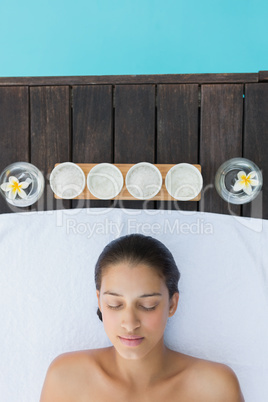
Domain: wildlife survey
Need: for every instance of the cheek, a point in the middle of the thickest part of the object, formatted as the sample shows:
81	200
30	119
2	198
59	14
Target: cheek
155	320
110	320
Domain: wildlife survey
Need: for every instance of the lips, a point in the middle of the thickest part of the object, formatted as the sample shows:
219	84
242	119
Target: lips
131	337
131	340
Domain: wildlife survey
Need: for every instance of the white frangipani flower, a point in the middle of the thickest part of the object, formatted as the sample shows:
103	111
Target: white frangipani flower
245	182
14	187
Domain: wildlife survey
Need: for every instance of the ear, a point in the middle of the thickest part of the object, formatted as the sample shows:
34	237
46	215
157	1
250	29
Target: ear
98	296
173	304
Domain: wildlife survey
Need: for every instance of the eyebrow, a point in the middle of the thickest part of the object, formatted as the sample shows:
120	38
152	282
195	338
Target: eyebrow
144	295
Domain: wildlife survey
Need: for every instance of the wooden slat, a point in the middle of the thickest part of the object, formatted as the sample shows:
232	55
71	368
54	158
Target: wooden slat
92	129
263	76
221	139
134	136
50	136
14	132
177	130
256	143
133	79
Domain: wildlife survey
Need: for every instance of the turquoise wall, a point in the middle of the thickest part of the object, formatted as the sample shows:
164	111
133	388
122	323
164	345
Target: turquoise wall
99	37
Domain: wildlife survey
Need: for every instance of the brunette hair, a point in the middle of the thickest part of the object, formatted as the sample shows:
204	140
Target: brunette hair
139	249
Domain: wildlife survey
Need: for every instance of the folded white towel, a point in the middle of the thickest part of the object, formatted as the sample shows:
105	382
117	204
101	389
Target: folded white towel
48	300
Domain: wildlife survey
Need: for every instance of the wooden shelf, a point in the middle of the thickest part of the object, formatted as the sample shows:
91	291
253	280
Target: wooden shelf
163	195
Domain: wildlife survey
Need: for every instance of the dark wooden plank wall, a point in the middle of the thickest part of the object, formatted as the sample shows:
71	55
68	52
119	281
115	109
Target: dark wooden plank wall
221	138
92	122
134	130
160	119
177	130
49	136
14	131
256	142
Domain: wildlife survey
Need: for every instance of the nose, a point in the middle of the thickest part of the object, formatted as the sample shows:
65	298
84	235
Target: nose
129	320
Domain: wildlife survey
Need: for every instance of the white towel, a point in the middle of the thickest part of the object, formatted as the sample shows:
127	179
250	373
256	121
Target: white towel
48	300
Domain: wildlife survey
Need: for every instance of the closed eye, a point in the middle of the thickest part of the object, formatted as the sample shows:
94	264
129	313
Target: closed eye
114	307
120	305
148	308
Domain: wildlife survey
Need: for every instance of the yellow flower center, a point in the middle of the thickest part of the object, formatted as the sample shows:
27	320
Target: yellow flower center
246	180
16	186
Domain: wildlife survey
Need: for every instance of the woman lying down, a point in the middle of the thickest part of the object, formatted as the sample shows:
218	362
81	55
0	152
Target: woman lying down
137	289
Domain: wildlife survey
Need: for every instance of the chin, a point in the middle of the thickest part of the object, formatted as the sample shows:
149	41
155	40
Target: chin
131	353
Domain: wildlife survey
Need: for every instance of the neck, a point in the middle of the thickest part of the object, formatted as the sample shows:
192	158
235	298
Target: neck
143	372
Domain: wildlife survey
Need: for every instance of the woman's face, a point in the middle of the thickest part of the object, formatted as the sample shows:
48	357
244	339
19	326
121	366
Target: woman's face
135	306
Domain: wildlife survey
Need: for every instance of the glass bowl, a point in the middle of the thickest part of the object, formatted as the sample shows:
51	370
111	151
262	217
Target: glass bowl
144	180
21	184
227	176
105	181
67	180
184	181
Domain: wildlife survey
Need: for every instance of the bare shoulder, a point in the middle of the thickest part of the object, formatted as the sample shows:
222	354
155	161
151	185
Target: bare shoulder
213	381
68	374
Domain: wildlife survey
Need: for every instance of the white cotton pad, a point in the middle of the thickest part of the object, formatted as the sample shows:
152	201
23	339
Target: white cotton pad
105	181
144	180
184	182
67	180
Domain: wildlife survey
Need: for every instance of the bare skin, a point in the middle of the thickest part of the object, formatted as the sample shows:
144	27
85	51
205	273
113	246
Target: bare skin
134	301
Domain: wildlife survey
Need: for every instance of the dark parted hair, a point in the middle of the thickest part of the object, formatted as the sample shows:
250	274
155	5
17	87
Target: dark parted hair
139	249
